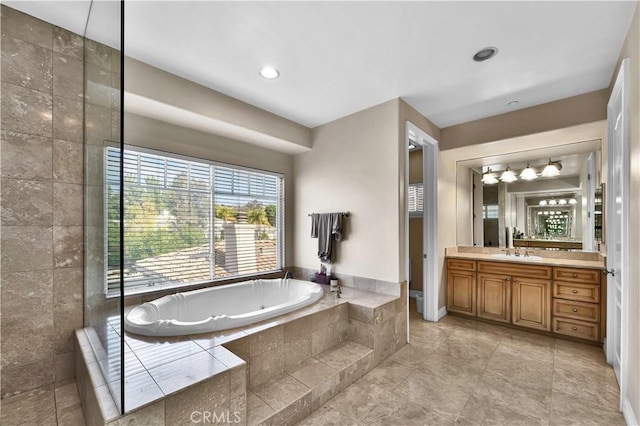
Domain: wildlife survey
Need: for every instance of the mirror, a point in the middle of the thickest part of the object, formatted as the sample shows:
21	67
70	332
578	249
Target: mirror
540	199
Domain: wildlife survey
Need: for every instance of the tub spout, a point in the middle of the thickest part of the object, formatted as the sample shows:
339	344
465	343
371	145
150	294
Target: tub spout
288	275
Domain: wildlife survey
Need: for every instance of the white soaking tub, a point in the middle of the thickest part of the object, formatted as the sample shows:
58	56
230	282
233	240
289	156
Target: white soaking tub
221	308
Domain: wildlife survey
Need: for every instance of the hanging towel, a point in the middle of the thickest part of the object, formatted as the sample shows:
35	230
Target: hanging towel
326	227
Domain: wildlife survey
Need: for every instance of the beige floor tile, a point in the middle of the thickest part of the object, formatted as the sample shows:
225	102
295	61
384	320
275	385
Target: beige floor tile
574	410
358	400
407	414
434	392
498	398
66	394
388	375
34	407
468	346
325	416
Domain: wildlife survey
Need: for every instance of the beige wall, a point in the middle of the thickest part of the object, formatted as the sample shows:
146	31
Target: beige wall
154	134
563	113
631	49
353	167
226	113
41	201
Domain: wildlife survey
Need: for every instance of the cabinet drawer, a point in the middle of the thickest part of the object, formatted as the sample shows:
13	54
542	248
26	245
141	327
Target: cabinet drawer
576	310
580	329
589	276
461	264
576	291
512	268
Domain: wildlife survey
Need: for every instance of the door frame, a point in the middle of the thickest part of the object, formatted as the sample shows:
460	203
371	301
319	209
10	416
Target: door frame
430	285
620	87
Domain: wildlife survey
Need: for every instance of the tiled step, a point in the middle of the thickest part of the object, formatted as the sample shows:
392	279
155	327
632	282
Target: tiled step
291	397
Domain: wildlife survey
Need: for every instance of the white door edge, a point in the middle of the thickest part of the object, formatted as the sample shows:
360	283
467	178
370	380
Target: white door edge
430	217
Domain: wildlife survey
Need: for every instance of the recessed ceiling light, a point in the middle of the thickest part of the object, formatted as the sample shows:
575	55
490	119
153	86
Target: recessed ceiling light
485	54
270	73
513	103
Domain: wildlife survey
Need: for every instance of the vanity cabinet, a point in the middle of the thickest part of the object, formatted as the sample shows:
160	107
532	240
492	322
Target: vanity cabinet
526	292
461	286
577	303
494	297
562	300
461	292
531	303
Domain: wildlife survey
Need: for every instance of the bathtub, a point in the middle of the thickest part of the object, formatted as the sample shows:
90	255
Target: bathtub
220	308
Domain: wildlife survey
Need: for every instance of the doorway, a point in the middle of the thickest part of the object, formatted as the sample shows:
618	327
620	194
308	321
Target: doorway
617	220
428	258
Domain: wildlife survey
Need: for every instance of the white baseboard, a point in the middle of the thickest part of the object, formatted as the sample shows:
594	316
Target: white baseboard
414	293
627	411
442	312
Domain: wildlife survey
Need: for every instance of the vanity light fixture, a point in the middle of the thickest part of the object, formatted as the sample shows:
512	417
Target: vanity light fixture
562	202
551	169
543	202
552	202
508	175
529	173
269	72
489	178
573	201
411	146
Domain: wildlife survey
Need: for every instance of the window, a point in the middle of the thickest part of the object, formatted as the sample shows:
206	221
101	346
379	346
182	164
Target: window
490	211
415	199
189	220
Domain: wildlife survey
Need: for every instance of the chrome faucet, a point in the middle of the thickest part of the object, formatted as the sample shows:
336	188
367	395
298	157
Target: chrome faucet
516	252
338	293
288	275
526	253
508	252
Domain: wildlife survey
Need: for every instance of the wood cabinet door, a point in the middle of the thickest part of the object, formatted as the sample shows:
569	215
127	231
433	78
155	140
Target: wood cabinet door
461	292
494	297
531	303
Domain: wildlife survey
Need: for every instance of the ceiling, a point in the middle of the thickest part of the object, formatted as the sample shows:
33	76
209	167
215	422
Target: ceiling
336	58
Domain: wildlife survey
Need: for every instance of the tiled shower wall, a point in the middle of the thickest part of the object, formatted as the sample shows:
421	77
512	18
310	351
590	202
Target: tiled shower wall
41	173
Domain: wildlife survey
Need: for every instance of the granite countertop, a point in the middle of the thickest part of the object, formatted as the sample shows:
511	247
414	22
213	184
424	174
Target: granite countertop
547	261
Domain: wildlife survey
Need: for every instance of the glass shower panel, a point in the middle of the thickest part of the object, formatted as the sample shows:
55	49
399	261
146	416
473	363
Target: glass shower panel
102	118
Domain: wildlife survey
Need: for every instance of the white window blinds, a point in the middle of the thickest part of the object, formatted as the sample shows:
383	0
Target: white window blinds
188	221
415	199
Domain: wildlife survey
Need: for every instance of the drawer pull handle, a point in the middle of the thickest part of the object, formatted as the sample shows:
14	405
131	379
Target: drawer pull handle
574	328
574	291
575	275
575	309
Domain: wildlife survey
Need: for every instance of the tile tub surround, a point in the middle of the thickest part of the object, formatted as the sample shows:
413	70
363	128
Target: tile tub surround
267	353
41	202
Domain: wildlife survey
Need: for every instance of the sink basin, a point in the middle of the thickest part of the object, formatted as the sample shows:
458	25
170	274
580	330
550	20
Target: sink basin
520	258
